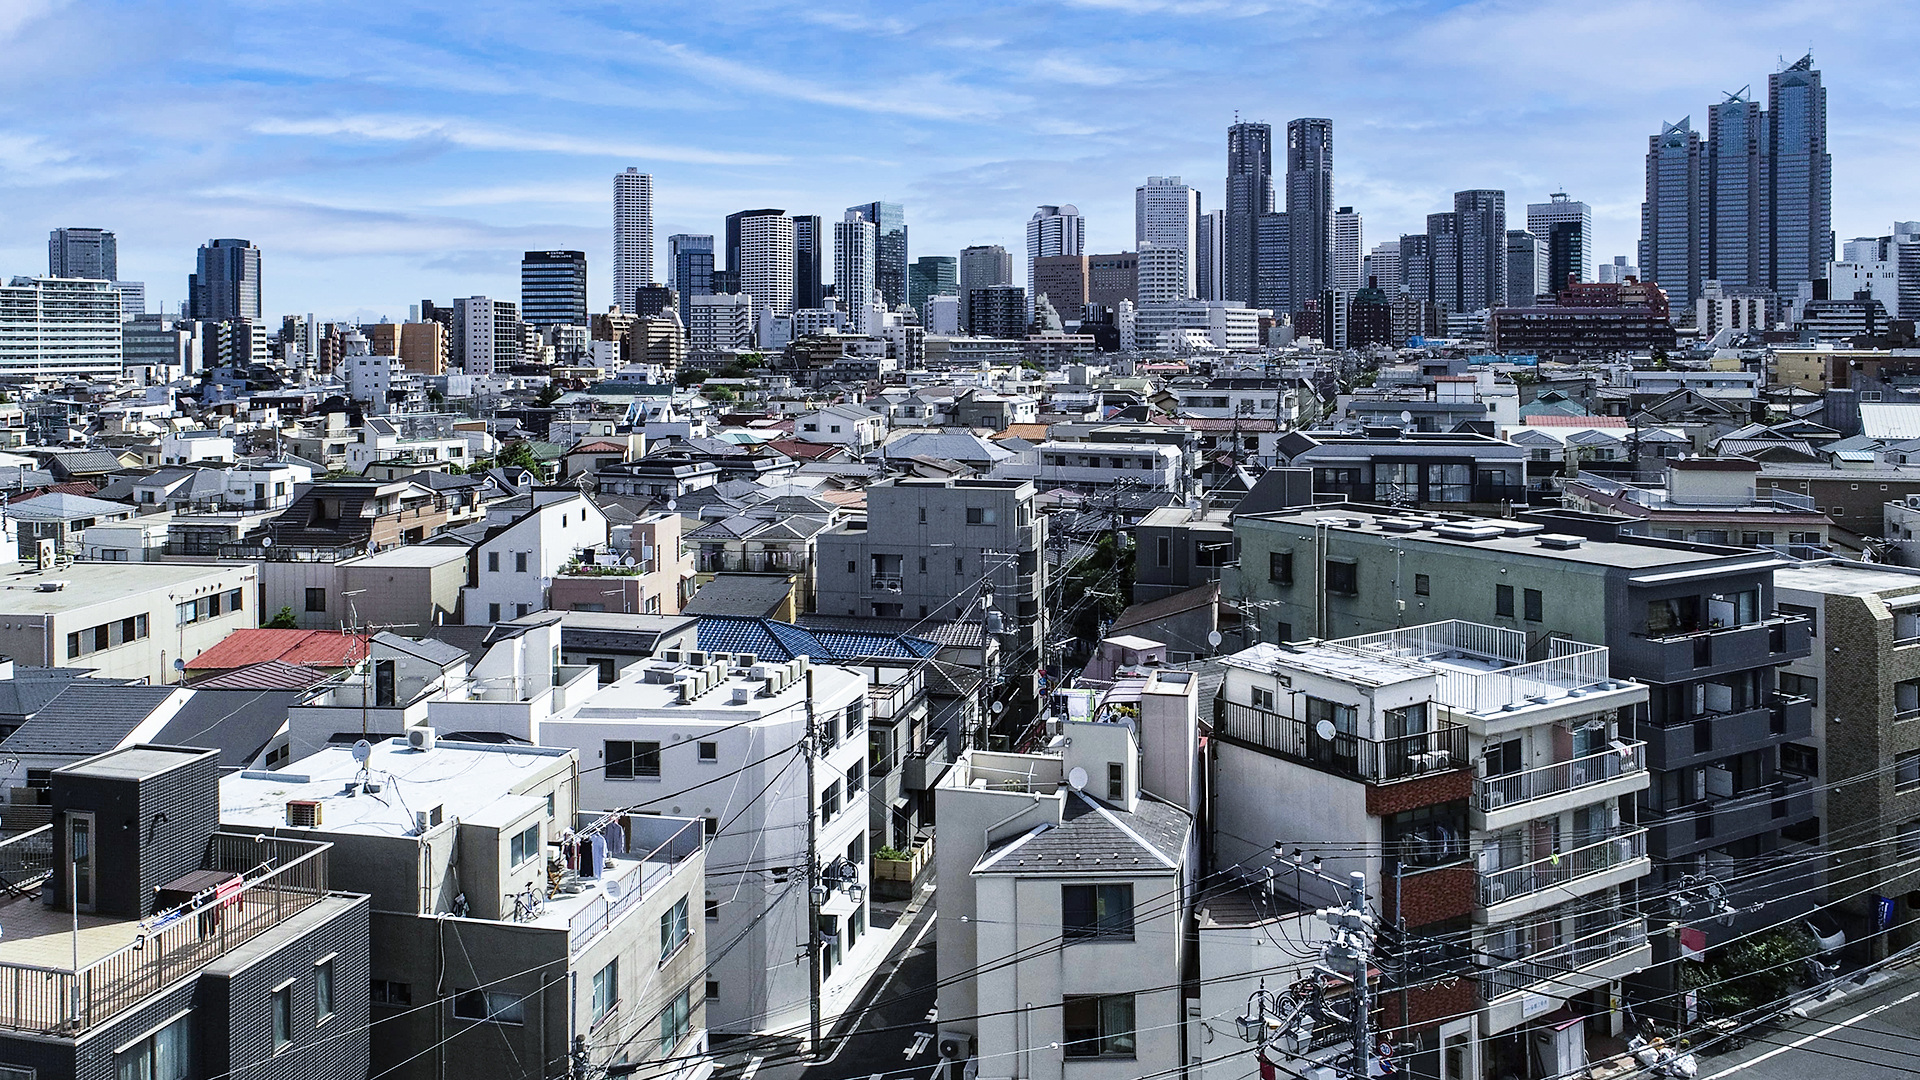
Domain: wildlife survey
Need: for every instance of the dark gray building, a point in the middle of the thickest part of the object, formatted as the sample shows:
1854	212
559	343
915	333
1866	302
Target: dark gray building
1673	219
982	266
1310	208
83	253
932	275
1799	177
1482	216
998	311
1735	218
810	239
1273	284
889	249
553	289
225	283
1249	195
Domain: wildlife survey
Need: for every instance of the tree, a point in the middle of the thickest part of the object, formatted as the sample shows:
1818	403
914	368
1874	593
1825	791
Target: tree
549	394
283	621
518	454
689	377
1752	972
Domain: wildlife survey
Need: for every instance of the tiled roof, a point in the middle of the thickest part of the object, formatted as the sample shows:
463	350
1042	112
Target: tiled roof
266	675
88	717
1094	838
779	641
1558	420
301	648
238	722
752	595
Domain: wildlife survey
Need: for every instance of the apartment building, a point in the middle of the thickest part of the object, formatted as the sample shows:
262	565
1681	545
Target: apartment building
123	620
1708	500
523	550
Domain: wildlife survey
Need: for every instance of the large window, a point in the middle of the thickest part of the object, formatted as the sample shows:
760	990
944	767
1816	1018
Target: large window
632	760
1503	601
1096	911
488	1007
1428	836
676	1020
1098	1026
674	929
1344	718
106	636
1343	577
164	1055
606	990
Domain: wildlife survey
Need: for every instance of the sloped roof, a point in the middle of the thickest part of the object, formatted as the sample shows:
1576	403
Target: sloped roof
755	595
300	648
1095	838
60	506
266	675
781	641
237	722
31	688
88	717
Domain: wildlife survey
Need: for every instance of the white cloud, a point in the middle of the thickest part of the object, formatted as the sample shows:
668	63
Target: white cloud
397	128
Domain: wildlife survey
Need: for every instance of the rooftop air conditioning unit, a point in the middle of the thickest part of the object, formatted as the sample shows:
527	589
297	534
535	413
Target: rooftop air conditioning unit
420	738
303	813
697	658
742	695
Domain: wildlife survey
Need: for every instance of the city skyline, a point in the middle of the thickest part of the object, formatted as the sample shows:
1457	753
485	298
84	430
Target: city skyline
367	193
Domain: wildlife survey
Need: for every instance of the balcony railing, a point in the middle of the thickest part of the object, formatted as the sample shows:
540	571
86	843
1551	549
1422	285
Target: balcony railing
1553	966
1442	747
280	878
1626	756
886	582
1508	681
1560	868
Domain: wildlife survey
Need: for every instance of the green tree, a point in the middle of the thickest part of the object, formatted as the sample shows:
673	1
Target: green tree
1752	972
549	394
689	377
283	621
518	454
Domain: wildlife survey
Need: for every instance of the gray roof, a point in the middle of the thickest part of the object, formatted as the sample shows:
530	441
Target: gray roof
238	723
428	649
61	506
88	717
31	688
1094	837
754	595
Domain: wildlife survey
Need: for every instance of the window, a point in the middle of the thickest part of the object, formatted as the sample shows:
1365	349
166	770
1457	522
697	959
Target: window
856	715
856	776
282	1018
520	611
1116	781
1263	698
1503	600
323	989
164	1055
1804	760
606	990
1280	567
519	562
713	911
632	760
1343	577
1422	585
982	515
524	845
493	613
713	989
234	597
1534	610
830	802
316	599
1806	686
493	562
1096	911
397	994
676	1020
674	929
710	751
1098	1026
1162	551
488	1007
1906	771
923	515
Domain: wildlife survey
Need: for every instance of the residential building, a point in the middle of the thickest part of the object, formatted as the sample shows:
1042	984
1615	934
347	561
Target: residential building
1094	466
889	220
1164	275
123	620
982	267
931	275
691	272
424	347
1349	246
1219	324
156	350
525	549
632	235
1166	218
656	738
1707	501
1589	320
1743	310
853	269
1052	230
1527	268
1249	196
998	311
1113	279
760	249
398	445
721	321
225	284
59	328
204	952
489	333
844	425
83	253
810	240
1309	209
1674	218
1383	267
1209	255
1566	225
1438	470
553	288
1063	280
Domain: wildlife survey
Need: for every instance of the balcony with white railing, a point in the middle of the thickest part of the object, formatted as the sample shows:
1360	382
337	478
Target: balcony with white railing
1593	959
1500	802
1513	891
1483	670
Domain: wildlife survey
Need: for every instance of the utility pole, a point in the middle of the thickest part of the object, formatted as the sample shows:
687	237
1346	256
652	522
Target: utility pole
814	889
1350	953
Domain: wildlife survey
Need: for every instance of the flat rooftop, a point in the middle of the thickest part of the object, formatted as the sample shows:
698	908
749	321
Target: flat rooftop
411	557
1338	663
465	779
1845	579
92	583
634	699
1594	552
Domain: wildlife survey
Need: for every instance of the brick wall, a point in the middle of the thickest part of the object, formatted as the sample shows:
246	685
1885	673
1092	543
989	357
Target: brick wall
1385	800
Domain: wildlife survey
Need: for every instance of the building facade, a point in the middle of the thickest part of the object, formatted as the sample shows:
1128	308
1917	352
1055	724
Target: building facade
59	328
1249	196
553	288
225	284
632	234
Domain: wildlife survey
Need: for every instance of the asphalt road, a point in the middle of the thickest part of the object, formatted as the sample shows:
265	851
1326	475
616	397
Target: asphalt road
1875	1033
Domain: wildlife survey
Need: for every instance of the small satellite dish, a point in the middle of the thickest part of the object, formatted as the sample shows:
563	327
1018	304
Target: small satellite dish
179	665
1406	417
1077	779
362	751
614	888
1324	729
1214	638
998	707
266	541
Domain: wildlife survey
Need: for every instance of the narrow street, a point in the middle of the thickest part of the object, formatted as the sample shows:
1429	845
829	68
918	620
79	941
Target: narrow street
1875	1033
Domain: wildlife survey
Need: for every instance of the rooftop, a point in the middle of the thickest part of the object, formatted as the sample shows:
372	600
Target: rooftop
90	583
1847	579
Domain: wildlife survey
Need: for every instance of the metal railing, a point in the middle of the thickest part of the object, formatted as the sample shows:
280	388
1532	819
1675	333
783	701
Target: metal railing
1625	757
1442	747
26	858
1553	965
657	865
1572	665
1562	867
279	879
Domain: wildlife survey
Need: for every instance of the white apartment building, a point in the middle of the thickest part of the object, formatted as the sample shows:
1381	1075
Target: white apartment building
1349	243
720	321
1229	324
853	270
1166	215
632	235
1164	274
767	262
656	740
515	566
52	328
1055	463
490	334
1743	312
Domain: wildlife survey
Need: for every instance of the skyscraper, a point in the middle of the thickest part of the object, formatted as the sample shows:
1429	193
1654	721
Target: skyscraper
1349	243
691	269
1443	261
1053	230
981	266
83	253
1567	227
809	253
889	220
1249	195
854	243
931	275
1310	206
1209	257
1799	177
632	235
1416	266
1673	219
553	288
1528	260
225	284
1064	280
1273	259
760	251
1382	267
1736	198
1482	215
1166	215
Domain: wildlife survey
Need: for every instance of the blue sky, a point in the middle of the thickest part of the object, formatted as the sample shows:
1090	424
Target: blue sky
382	152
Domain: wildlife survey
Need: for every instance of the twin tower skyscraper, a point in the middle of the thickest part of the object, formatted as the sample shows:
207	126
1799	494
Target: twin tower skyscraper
1279	259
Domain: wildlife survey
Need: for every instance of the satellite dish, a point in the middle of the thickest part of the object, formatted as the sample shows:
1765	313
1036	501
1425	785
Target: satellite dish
1077	779
1406	417
362	751
266	541
1214	638
179	664
613	888
998	707
1324	729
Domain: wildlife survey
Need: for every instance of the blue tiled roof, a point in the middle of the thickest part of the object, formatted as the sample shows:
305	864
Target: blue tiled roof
779	641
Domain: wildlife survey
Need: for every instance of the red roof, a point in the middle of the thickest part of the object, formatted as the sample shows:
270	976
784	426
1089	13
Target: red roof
1560	420
599	447
795	448
301	648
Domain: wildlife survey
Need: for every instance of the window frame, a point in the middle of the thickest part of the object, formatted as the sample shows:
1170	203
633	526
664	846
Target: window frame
606	992
1096	911
676	929
1103	1042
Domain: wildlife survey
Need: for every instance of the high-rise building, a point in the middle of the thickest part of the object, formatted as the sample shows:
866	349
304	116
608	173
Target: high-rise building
1163	274
722	321
1053	230
854	243
1349	243
1064	281
133	298
690	270
652	301
59	328
810	239
1113	280
1443	261
1736	195
931	275
1310	206
1482	216
1799	177
1249	195
225	284
889	221
981	266
1382	267
1674	218
83	253
1209	260
760	249
632	235
1273	264
423	347
1528	260
1567	227
1166	214
1416	267
997	311
491	337
1618	271
553	288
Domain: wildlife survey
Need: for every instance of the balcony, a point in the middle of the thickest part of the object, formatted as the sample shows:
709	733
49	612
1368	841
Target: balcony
1504	801
1720	820
1374	761
1483	669
889	583
1590	960
1696	653
893	700
1692	740
1514	891
927	763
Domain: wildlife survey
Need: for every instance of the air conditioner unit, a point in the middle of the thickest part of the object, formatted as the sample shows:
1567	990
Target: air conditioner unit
1493	798
303	813
1432	761
1496	892
697	658
420	738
